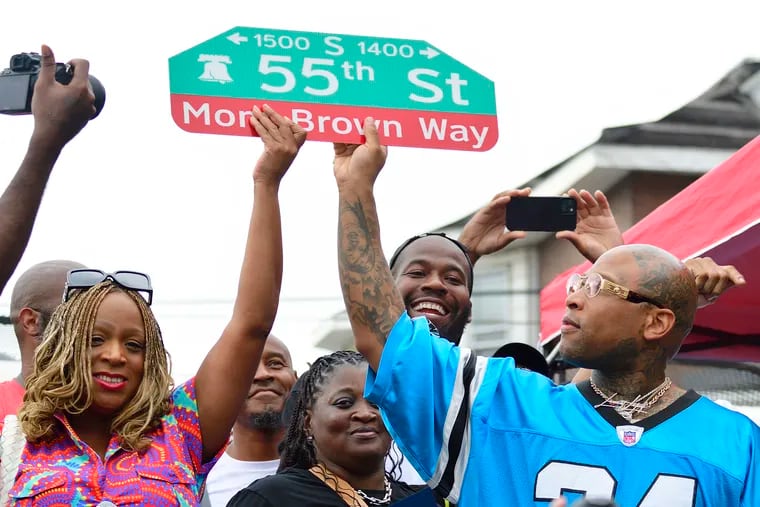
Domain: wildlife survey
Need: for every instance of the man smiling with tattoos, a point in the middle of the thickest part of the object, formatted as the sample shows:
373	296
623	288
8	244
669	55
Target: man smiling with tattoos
482	432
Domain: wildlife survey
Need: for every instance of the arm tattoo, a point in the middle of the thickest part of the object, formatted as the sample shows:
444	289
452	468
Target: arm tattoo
369	291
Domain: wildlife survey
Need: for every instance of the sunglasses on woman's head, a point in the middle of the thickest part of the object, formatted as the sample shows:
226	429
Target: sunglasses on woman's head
78	279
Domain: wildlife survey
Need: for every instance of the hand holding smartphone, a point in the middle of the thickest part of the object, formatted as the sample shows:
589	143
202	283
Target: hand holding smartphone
548	214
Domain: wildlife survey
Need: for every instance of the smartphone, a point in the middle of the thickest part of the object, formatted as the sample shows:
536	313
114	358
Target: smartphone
541	214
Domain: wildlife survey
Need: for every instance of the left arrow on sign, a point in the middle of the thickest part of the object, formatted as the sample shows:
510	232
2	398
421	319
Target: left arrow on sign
237	38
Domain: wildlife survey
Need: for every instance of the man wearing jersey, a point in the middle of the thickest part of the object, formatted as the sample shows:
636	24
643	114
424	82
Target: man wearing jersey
482	432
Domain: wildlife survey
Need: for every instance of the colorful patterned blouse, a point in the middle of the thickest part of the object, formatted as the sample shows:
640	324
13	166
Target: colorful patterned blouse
65	471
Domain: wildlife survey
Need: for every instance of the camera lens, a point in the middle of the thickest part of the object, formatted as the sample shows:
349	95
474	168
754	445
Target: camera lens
568	206
19	63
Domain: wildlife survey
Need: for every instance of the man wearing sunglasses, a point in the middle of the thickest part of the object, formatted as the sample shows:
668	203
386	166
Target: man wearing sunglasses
482	432
60	112
434	273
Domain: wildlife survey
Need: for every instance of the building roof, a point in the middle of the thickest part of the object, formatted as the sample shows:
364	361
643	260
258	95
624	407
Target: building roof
695	137
725	116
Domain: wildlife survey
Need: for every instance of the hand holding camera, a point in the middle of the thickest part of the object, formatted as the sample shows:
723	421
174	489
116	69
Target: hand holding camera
62	97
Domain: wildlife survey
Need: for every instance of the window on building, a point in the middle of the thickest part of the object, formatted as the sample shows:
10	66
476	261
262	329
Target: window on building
492	302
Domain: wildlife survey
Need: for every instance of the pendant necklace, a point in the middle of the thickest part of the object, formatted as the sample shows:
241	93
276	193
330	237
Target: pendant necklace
630	410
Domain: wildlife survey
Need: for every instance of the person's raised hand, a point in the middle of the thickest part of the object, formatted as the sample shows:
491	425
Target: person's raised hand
61	111
486	232
712	279
359	164
282	139
596	230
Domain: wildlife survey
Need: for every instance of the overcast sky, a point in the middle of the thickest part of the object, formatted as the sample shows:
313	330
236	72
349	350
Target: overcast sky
134	191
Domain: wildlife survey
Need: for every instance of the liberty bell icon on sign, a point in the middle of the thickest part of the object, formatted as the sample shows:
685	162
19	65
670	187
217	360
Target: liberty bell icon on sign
215	68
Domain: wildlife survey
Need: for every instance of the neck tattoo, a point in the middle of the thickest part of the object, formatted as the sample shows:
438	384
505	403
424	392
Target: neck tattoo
636	408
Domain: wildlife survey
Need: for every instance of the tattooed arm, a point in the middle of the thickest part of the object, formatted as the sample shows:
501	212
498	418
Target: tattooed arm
373	303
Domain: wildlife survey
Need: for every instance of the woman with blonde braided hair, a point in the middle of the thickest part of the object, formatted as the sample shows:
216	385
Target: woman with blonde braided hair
335	448
63	378
103	425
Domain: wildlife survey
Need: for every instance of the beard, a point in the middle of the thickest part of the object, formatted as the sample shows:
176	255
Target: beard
266	420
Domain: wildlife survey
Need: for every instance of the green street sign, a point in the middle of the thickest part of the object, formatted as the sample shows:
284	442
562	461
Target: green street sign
328	83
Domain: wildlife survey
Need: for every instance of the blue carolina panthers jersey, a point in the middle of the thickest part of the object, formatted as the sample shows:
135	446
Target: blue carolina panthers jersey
483	433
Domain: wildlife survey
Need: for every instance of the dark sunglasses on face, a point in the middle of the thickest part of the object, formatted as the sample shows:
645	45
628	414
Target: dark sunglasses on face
594	283
77	279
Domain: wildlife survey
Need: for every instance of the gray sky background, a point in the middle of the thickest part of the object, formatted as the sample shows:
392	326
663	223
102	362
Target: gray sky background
133	191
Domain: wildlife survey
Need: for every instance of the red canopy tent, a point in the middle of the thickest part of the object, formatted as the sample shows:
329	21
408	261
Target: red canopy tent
717	216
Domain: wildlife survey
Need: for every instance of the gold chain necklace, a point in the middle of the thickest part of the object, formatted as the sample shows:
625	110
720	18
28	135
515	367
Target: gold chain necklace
630	410
347	492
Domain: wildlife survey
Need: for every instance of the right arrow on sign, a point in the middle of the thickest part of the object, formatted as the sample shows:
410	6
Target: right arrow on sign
429	52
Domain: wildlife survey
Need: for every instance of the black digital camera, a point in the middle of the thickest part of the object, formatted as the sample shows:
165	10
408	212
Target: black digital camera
17	84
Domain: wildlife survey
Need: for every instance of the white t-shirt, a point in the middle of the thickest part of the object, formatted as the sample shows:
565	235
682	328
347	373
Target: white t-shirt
230	475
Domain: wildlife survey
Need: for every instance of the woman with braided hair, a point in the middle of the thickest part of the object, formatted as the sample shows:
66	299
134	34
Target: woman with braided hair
103	425
335	448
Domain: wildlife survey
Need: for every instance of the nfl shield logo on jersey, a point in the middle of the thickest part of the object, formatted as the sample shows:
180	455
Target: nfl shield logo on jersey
629	435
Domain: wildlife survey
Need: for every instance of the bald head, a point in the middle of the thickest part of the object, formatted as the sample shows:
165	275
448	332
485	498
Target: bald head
36	295
274	343
41	286
662	276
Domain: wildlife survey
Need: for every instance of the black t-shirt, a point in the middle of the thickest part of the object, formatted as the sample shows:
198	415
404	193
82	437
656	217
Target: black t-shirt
296	487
